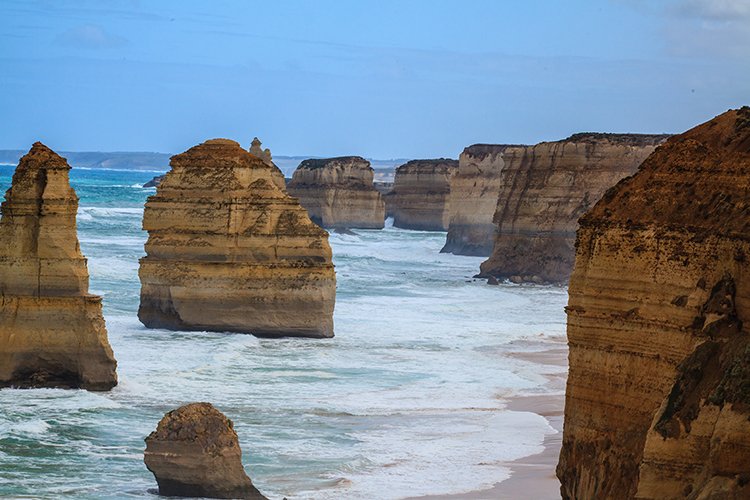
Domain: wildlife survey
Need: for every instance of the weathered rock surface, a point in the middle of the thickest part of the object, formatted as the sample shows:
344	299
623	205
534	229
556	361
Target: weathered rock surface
195	452
154	182
658	396
230	250
52	331
420	198
544	190
339	192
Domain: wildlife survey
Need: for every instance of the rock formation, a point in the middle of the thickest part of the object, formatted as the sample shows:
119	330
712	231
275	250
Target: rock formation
544	189
339	193
474	191
230	250
257	150
658	396
52	331
195	452
154	182
420	198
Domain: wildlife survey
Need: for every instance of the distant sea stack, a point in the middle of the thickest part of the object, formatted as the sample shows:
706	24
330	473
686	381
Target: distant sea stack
420	197
339	192
473	200
52	332
543	192
154	182
195	452
230	250
658	395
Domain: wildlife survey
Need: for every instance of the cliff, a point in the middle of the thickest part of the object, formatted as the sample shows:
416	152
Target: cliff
154	182
474	192
52	331
339	192
544	189
230	250
420	197
658	400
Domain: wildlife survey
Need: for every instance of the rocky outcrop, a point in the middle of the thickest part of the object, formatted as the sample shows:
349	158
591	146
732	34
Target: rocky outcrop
544	189
339	192
420	198
154	182
474	192
230	250
658	395
52	331
195	452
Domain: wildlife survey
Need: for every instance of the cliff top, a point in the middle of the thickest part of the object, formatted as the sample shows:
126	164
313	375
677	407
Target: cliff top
315	163
629	139
484	149
199	423
428	165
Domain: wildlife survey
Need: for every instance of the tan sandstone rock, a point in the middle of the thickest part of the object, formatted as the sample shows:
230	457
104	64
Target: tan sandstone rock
230	250
658	396
545	189
52	331
195	452
420	197
339	192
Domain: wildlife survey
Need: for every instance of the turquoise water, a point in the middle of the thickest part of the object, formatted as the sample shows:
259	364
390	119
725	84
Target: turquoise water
407	399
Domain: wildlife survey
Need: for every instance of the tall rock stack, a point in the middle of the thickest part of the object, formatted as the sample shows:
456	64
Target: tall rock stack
230	250
420	198
52	331
339	192
544	192
658	396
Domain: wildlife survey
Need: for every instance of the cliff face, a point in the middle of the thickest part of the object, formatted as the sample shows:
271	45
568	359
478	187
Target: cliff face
339	193
420	198
230	250
52	332
542	193
474	192
658	396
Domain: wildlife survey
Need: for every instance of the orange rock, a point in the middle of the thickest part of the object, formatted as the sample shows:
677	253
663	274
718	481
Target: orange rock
420	198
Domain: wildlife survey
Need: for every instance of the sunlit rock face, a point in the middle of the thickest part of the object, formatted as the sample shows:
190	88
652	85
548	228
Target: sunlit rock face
52	332
658	395
339	193
420	197
230	250
544	190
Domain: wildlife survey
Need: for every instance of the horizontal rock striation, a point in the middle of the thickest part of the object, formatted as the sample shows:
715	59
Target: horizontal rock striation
339	193
543	192
52	332
230	250
420	198
658	396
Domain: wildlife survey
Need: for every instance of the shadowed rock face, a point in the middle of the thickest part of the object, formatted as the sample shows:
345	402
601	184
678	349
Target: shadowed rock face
195	452
420	198
543	192
230	250
658	396
52	331
339	193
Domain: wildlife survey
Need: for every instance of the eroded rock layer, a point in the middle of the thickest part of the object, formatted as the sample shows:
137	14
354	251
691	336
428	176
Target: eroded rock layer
543	192
339	192
230	250
52	331
420	198
658	395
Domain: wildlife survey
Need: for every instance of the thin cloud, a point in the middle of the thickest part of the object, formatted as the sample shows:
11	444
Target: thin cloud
90	36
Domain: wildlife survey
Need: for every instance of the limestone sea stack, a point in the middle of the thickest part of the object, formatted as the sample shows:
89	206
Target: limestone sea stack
474	191
420	198
339	193
543	192
195	452
52	332
658	395
154	182
229	250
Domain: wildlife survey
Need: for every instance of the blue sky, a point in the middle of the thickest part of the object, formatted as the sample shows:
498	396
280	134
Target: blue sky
382	79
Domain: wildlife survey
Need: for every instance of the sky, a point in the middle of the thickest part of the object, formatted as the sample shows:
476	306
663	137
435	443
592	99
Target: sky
381	79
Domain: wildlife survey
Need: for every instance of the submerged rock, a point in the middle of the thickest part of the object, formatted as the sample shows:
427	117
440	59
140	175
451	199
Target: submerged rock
52	332
230	250
195	452
658	395
420	198
339	193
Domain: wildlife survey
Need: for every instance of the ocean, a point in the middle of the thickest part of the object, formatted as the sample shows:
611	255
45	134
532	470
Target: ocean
407	399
